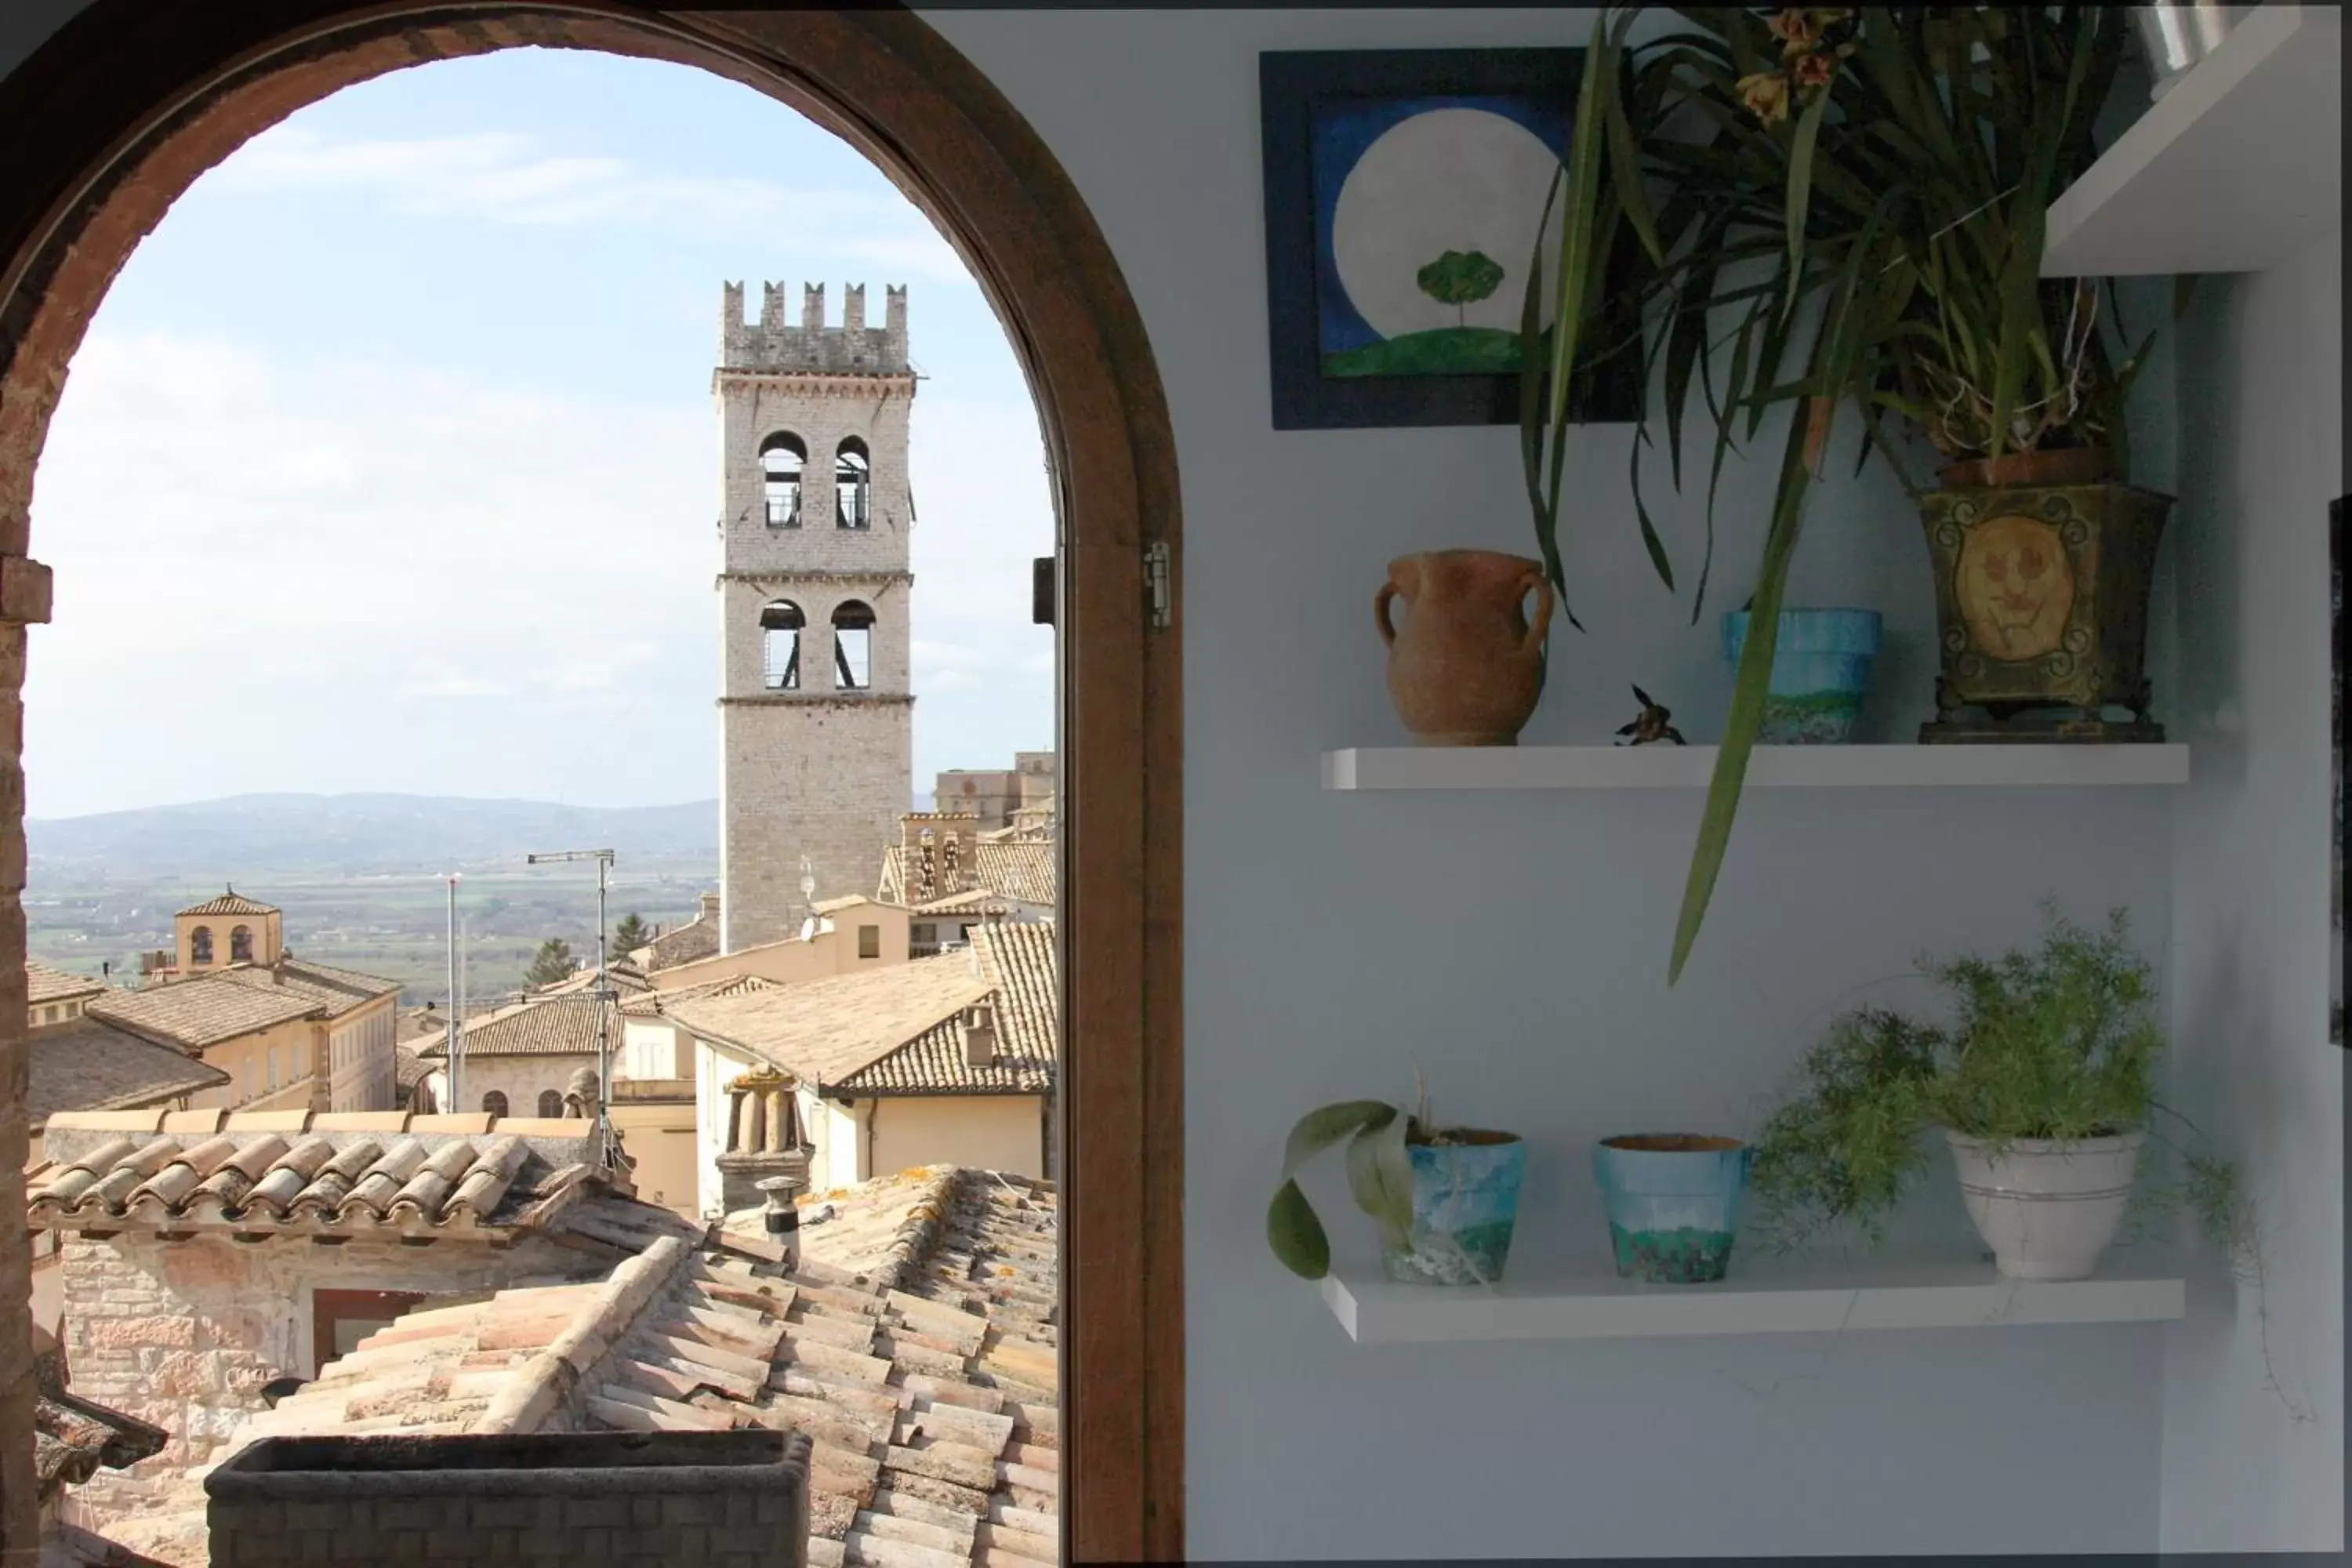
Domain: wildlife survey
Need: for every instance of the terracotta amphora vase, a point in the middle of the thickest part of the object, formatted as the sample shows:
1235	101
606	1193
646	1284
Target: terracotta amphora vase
1468	668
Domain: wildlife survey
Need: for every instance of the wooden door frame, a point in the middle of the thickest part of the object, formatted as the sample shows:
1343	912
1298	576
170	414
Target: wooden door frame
121	110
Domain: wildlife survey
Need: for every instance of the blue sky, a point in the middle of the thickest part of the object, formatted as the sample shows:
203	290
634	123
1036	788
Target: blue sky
390	461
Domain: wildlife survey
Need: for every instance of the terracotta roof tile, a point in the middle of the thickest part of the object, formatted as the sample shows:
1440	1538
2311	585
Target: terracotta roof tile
88	1064
336	991
297	1180
828	1029
43	984
556	1026
1019	964
204	1011
232	902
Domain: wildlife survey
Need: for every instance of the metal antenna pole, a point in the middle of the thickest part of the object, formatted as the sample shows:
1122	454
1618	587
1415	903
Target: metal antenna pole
603	858
452	1047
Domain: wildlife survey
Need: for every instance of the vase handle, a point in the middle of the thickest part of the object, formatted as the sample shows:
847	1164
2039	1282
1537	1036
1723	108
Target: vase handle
1380	613
1542	622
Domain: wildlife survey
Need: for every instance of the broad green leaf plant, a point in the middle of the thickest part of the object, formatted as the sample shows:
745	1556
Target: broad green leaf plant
1841	210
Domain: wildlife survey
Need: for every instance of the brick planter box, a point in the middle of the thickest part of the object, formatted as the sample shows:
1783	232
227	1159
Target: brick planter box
728	1500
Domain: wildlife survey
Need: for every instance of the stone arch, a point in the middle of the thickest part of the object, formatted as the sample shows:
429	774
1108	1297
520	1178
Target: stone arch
118	111
853	484
781	623
783	465
852	645
200	944
240	945
495	1102
551	1104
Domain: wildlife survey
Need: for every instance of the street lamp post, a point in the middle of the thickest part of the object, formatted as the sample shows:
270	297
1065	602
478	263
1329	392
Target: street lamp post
454	1045
603	858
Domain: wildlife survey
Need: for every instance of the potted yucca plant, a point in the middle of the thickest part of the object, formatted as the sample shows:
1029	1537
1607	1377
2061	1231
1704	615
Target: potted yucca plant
1849	221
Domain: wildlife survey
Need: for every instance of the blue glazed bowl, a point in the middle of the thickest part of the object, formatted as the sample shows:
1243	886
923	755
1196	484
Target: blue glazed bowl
1674	1203
1820	667
1466	1199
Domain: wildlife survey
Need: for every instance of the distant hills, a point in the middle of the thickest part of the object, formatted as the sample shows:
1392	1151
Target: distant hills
253	835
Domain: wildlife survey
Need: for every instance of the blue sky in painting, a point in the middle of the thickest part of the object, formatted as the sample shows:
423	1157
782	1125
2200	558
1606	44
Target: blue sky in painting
1339	130
395	444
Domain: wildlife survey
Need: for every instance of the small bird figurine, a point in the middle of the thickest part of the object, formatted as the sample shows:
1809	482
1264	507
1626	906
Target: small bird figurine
1651	724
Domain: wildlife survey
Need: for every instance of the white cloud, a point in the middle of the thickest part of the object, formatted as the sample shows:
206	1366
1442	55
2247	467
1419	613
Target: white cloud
360	577
506	178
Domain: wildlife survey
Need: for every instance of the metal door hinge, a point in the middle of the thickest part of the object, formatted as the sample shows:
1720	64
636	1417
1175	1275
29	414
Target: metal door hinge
1156	579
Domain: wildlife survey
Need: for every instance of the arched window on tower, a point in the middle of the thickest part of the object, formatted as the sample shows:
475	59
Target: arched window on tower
551	1104
200	945
495	1102
780	624
781	458
852	485
853	646
240	945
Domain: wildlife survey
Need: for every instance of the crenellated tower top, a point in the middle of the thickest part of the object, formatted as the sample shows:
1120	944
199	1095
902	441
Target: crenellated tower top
852	348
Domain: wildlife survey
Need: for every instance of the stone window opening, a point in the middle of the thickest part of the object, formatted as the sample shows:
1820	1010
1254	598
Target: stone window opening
782	457
340	1319
869	942
240	945
200	945
551	1104
781	625
495	1102
852	485
853	646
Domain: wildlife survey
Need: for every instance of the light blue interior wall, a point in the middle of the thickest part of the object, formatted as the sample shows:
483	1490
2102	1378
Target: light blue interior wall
2254	1428
1516	945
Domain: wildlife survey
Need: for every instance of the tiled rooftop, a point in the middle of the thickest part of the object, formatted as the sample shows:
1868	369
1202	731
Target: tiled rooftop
194	1014
559	1025
299	1172
915	1343
88	1064
1018	963
231	902
1024	869
336	991
828	1029
697	937
43	984
658	1003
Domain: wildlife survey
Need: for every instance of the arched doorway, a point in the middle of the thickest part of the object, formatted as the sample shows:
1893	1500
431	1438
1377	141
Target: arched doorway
123	108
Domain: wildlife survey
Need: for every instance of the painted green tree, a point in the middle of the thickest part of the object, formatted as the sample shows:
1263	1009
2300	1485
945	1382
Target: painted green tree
1460	279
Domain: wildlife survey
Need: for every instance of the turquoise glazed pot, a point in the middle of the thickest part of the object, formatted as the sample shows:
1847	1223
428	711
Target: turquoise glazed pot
1674	1203
1820	667
1465	1198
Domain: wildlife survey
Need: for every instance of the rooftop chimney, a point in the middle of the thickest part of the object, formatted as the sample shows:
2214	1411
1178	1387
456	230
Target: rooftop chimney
710	906
979	1035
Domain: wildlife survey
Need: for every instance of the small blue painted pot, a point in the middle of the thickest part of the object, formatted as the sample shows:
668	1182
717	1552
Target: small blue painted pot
1674	1203
1820	667
1465	1198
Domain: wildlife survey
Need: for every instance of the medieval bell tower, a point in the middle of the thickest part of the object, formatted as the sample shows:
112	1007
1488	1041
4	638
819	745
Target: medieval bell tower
816	719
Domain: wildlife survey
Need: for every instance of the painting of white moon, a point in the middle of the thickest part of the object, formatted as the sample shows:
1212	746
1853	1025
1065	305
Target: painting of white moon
1429	215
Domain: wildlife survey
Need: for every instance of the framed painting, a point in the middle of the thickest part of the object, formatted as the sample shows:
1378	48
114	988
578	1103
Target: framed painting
1404	189
2342	648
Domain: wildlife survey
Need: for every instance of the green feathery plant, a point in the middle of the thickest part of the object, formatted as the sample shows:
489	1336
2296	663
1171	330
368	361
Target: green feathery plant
1853	202
2060	1042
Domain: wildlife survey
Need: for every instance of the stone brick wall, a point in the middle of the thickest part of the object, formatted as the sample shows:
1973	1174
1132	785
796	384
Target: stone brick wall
521	1079
825	780
752	1513
812	773
185	1334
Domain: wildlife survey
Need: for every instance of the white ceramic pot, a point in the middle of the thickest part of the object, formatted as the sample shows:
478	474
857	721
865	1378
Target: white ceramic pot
2047	1208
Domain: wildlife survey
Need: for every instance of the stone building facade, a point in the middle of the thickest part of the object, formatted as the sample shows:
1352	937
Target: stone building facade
816	710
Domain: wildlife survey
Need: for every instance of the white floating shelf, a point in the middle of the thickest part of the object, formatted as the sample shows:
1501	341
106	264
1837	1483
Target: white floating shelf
1771	1296
2238	166
2008	765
